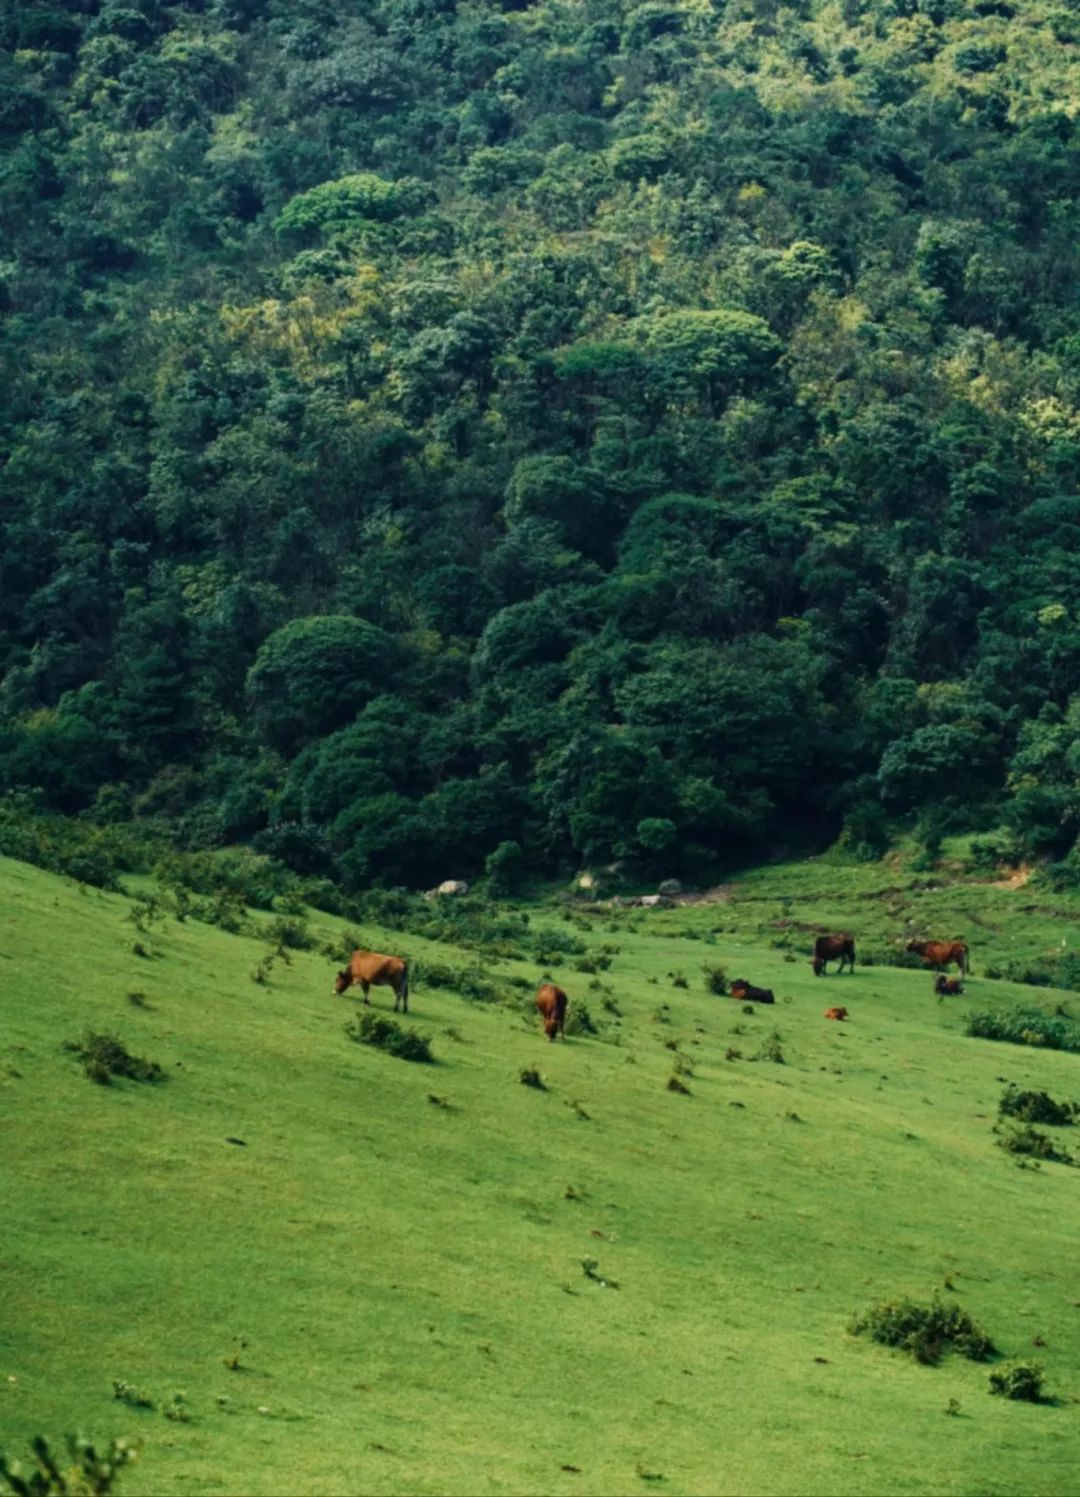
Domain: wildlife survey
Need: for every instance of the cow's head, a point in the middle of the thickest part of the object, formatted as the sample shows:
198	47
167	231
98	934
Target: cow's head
342	981
818	966
551	1027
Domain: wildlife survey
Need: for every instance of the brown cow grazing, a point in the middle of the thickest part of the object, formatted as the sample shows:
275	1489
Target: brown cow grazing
831	948
745	992
551	1005
836	1013
370	969
947	987
941	953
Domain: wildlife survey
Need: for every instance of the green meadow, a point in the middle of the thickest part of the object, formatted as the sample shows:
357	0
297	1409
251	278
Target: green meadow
362	1275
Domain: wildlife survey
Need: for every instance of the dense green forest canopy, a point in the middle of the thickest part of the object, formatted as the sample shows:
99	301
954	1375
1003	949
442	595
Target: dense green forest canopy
623	430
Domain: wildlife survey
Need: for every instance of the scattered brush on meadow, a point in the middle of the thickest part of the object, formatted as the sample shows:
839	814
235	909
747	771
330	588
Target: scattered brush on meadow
771	1048
104	1056
1025	1026
1041	972
926	1331
470	983
530	1076
89	1472
675	1085
383	1033
579	1020
715	978
1022	1381
1029	1141
1037	1107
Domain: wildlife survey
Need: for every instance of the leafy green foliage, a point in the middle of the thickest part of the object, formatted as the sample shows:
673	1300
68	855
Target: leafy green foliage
91	1471
429	433
926	1331
1036	1107
1019	1380
384	1033
1025	1026
104	1056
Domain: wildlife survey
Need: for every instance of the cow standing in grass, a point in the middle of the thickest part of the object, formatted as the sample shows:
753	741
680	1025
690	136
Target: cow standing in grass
833	948
370	969
551	1004
939	954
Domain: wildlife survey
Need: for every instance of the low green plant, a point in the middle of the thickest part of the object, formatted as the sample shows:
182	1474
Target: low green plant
1022	1381
90	1473
530	1076
105	1056
579	1020
134	1397
926	1331
383	1033
675	1085
1028	1140
771	1048
715	978
1025	1026
1036	1107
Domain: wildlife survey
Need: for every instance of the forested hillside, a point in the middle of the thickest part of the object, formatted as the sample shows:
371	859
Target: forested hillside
622	430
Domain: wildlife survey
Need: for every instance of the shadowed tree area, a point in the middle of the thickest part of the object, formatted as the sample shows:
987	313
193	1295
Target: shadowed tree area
640	431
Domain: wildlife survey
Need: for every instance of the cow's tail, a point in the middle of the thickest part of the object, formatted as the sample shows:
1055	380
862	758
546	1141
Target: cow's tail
965	967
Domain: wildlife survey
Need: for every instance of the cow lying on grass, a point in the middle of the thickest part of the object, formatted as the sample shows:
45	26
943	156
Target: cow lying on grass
745	992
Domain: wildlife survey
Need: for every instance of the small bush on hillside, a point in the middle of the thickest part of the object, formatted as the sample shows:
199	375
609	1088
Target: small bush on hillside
579	1020
926	1331
1025	1026
134	1397
89	1472
675	1085
104	1056
530	1076
468	982
1030	1141
1019	1380
715	978
289	931
225	909
678	980
771	1049
384	1033
1036	1107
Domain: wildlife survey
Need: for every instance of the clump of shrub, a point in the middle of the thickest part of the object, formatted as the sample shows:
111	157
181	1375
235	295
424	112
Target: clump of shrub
771	1048
290	932
383	1033
530	1076
134	1397
1030	1141
1022	1381
678	980
579	1020
715	978
1025	1026
1036	1107
90	1473
926	1331
104	1056
675	1085
177	1409
470	983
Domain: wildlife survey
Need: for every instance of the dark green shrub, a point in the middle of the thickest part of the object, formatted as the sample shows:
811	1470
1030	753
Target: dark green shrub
530	1076
1030	1141
579	1020
468	982
104	1056
383	1033
715	978
678	980
290	931
1019	1380
926	1331
89	1473
1025	1026
134	1397
675	1085
1036	1107
771	1048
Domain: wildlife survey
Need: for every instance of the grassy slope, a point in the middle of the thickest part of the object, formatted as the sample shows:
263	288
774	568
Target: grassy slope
409	1278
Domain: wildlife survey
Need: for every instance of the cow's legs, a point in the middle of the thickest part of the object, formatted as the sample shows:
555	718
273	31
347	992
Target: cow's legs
367	988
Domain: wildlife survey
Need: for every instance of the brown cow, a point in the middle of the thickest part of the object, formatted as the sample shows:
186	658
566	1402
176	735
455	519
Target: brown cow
551	1004
745	992
941	953
829	948
370	969
947	987
836	1013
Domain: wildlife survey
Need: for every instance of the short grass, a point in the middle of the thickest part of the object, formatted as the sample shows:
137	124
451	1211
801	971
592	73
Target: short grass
399	1283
